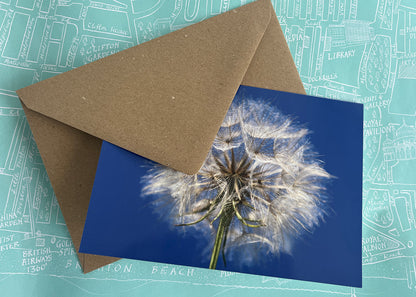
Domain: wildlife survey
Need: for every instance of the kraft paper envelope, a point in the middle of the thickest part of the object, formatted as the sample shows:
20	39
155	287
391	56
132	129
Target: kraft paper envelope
164	100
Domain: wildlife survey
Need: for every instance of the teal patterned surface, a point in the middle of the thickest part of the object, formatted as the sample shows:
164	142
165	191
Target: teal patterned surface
357	50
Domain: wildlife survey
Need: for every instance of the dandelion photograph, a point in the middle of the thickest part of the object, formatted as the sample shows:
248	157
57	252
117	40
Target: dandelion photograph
279	194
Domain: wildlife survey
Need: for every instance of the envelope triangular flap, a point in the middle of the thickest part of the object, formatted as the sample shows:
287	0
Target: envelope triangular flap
164	99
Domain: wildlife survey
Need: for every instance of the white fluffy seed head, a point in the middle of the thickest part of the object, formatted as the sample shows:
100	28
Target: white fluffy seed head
280	186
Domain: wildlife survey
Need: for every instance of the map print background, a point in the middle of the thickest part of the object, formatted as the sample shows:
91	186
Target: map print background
357	50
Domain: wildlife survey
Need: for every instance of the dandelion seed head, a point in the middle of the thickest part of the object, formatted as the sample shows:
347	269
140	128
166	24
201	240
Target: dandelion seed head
261	172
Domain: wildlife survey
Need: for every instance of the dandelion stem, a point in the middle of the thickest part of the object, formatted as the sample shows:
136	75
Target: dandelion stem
217	244
226	217
223	245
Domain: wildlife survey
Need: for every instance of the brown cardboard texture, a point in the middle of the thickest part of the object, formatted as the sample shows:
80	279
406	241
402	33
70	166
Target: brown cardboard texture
164	100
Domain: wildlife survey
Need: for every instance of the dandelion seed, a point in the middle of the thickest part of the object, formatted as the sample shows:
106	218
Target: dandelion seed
261	183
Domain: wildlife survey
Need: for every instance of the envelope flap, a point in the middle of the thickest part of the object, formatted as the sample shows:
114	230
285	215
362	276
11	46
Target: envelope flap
164	99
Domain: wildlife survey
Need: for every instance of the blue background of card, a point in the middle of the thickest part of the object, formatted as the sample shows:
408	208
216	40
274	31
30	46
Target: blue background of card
121	223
